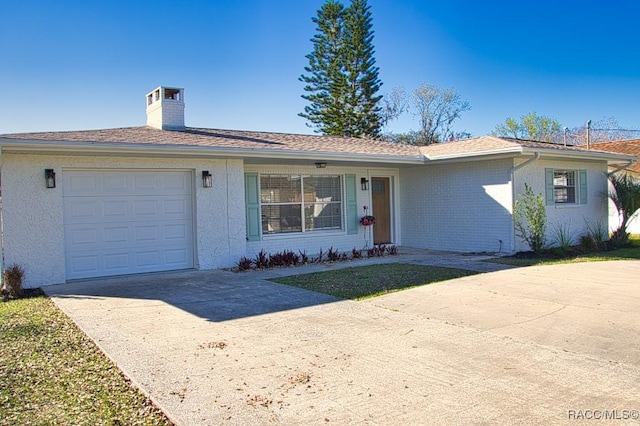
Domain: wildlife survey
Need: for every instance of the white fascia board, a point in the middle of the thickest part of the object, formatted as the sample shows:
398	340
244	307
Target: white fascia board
151	150
467	155
610	157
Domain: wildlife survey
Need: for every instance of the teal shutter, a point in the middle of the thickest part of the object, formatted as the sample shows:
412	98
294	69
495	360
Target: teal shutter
583	186
549	192
252	206
352	204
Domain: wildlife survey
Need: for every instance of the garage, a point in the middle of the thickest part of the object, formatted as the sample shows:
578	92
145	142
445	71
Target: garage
127	221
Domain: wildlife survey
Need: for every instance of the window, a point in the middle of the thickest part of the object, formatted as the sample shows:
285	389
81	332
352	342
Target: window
295	203
564	186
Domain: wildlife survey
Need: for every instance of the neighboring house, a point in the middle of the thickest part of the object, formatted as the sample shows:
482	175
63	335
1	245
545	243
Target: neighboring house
81	204
629	147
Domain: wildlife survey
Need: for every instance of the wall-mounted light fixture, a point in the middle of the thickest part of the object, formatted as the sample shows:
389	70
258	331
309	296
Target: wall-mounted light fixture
50	178
321	164
207	180
364	184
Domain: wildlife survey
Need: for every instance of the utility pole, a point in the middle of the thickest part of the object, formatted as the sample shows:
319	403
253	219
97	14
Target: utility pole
564	138
588	134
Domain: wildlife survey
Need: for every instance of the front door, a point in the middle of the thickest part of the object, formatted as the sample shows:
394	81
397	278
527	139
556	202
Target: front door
381	209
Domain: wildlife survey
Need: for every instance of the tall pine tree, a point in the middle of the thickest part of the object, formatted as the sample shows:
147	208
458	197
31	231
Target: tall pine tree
342	79
363	113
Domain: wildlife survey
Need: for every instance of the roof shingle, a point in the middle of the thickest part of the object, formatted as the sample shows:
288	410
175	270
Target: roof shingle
630	146
244	140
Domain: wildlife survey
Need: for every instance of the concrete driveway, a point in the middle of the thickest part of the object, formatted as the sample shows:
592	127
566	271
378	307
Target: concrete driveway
538	345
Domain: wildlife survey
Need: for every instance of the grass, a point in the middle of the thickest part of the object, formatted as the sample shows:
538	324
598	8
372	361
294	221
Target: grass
370	281
625	253
51	373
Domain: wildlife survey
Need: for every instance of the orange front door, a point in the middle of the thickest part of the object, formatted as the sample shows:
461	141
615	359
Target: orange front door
381	209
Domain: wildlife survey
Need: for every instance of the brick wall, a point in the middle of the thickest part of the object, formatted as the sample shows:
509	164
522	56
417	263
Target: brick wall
463	207
574	217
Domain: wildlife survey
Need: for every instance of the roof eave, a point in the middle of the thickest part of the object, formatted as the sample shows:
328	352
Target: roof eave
470	155
154	150
581	155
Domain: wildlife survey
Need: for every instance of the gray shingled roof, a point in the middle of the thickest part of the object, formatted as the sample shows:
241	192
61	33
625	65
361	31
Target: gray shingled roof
492	144
241	140
268	142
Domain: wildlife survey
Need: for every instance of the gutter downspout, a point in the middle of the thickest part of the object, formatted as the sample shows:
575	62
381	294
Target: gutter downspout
616	170
513	193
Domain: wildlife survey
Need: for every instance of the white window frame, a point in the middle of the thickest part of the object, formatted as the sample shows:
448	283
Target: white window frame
303	203
567	186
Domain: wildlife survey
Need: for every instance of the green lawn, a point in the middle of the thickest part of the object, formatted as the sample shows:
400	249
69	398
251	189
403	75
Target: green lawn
52	374
631	252
370	281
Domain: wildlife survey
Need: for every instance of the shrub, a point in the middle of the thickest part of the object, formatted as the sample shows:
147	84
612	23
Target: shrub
303	258
244	264
587	243
530	218
392	250
356	254
320	257
563	236
376	251
13	278
262	260
276	260
333	255
598	233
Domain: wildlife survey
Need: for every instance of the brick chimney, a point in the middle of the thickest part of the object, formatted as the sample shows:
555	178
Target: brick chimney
165	108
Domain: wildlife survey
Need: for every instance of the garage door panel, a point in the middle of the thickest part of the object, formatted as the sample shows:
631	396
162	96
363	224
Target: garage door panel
127	224
115	234
147	233
113	208
175	232
113	184
145	208
117	262
87	263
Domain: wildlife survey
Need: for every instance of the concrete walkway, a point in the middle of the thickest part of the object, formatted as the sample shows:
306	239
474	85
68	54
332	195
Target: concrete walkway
538	345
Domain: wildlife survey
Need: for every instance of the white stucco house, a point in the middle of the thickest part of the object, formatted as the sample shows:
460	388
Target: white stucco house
629	147
82	204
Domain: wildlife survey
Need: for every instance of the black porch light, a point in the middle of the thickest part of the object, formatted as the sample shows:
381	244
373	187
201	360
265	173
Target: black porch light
207	180
50	178
364	184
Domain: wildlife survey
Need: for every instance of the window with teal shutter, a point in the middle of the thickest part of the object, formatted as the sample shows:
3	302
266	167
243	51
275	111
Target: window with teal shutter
352	204
583	186
252	206
565	186
549	187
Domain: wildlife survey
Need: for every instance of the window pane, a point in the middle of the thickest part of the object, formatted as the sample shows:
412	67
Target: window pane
281	218
279	188
325	188
322	216
564	186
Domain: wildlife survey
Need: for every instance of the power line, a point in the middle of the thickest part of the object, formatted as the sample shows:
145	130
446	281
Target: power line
616	130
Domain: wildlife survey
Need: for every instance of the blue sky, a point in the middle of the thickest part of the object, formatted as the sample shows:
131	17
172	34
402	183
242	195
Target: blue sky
67	65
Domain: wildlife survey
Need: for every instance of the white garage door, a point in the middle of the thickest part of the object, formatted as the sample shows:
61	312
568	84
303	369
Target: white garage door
126	222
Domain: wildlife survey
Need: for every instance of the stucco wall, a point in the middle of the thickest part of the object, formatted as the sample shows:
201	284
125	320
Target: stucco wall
33	216
312	242
575	217
463	207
